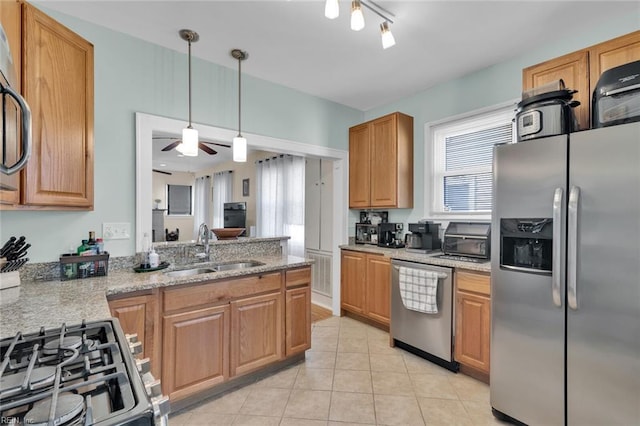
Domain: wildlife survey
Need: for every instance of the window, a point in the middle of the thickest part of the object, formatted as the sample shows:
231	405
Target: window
462	161
179	199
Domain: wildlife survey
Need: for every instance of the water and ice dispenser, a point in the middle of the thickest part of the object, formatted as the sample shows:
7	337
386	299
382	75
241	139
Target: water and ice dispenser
526	244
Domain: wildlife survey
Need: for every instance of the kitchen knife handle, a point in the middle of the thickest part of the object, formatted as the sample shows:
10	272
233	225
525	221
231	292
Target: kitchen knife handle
572	248
556	266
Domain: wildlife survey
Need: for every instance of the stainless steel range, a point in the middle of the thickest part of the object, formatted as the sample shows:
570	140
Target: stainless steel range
78	375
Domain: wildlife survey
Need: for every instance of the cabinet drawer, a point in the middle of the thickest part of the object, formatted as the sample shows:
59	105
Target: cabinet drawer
477	282
219	291
297	277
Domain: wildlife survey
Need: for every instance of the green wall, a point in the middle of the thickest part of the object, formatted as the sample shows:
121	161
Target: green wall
132	75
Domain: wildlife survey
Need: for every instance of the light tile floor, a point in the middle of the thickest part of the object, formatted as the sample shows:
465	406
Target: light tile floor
350	376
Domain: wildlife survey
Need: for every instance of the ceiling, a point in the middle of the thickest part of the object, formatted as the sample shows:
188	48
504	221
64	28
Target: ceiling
292	44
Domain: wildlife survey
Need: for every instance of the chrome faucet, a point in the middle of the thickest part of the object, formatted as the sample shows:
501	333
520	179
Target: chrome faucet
203	239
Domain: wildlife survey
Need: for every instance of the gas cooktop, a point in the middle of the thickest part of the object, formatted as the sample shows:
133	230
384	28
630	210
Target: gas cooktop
77	375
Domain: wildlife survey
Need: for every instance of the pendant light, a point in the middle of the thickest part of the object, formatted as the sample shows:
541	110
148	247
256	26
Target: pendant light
357	18
189	145
239	142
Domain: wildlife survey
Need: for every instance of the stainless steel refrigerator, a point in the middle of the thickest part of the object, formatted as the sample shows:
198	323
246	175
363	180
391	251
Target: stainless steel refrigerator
565	273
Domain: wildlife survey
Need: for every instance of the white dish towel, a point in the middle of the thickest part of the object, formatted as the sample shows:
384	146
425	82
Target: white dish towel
418	289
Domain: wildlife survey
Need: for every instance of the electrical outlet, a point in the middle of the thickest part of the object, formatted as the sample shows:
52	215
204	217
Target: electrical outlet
116	231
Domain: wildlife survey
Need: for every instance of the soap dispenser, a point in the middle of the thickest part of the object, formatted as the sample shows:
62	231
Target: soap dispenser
154	259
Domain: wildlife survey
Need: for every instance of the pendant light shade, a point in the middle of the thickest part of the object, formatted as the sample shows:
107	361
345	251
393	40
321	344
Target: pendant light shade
387	37
331	9
239	142
189	145
357	18
239	149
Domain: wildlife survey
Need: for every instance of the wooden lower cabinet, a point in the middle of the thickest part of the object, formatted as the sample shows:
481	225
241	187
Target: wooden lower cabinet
473	321
195	350
298	320
366	285
139	315
256	333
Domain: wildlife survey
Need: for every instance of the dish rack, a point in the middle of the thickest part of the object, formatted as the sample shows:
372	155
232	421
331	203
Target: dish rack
75	267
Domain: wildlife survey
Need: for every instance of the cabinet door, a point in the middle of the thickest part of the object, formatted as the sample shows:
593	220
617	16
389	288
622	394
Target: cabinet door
352	281
195	351
359	166
298	320
57	72
473	324
613	53
10	16
573	69
137	315
378	288
256	332
384	165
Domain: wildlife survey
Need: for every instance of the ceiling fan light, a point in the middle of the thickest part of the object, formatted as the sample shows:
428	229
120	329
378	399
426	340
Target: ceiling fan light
331	9
189	145
387	37
239	149
357	18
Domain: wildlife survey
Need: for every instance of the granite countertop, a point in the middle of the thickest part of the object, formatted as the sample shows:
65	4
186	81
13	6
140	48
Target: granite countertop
36	304
430	259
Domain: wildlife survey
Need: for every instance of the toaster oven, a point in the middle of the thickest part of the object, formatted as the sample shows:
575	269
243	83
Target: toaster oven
469	239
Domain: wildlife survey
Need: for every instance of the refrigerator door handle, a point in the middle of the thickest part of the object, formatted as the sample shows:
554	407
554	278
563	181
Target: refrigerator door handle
572	248
556	267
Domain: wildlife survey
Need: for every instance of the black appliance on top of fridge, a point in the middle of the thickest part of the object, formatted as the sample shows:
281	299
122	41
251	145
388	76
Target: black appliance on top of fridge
565	286
235	216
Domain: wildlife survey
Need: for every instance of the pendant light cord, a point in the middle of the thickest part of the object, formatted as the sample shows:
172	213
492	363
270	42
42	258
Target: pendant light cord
239	95
190	82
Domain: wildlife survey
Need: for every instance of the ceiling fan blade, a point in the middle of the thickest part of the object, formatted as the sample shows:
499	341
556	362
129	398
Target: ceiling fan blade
163	172
172	145
206	149
216	143
165	137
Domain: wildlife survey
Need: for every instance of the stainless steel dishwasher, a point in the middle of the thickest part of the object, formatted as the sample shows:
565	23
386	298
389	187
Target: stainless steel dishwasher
427	335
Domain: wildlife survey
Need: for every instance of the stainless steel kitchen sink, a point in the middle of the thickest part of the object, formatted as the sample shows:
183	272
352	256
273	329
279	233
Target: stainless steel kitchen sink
218	267
237	265
190	272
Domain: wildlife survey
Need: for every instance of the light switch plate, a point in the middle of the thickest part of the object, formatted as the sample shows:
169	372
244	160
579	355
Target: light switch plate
116	231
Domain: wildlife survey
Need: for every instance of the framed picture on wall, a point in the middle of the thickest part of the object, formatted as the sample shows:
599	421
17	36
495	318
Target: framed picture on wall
245	187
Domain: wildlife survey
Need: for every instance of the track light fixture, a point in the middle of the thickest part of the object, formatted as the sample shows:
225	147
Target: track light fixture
189	144
331	11
239	142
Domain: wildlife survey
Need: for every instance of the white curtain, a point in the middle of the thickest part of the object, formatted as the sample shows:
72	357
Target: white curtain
201	203
222	193
280	200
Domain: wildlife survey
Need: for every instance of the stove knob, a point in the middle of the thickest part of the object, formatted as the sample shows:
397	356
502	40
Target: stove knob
132	338
136	348
143	365
153	388
161	406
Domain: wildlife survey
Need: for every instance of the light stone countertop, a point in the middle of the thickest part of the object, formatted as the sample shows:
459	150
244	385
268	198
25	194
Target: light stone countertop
429	259
36	304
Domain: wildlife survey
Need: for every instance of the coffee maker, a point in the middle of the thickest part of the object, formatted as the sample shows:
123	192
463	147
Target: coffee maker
389	235
424	237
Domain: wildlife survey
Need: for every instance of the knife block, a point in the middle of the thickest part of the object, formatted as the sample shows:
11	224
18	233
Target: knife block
9	279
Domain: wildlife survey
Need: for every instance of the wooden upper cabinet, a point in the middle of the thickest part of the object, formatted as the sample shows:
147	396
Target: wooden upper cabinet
573	69
359	166
57	82
613	53
381	163
581	70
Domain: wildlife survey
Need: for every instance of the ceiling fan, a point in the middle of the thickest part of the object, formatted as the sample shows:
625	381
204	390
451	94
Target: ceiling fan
201	145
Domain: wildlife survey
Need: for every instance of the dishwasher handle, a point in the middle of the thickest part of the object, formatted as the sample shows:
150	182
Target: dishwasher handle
441	275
